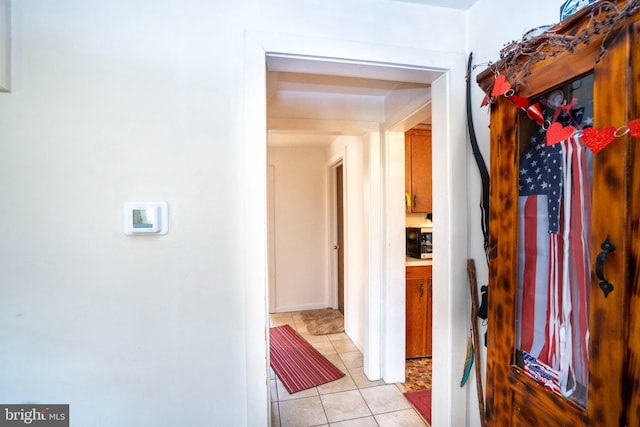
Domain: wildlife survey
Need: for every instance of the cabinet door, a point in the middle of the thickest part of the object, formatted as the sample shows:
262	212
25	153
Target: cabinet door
557	348
418	174
416	317
418	312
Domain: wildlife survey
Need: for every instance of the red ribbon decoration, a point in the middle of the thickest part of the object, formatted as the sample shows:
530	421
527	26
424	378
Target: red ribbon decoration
566	108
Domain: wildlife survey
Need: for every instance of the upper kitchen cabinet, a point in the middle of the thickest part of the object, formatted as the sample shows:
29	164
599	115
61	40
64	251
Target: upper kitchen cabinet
417	143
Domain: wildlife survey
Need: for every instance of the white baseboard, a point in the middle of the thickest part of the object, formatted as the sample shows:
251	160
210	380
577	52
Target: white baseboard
301	307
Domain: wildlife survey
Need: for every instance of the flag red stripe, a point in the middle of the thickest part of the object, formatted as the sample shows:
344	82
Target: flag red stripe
533	271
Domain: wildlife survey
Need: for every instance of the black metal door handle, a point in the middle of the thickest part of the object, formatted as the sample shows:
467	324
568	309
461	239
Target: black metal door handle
607	247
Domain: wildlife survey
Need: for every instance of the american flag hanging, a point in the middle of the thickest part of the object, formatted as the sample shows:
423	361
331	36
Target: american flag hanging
553	255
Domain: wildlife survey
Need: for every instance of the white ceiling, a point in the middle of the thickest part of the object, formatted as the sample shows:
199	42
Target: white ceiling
311	101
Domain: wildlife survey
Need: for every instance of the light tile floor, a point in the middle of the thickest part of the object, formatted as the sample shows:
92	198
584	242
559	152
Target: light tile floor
352	401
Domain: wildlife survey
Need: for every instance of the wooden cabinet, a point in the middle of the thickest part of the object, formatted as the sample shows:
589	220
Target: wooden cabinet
418	311
563	343
417	143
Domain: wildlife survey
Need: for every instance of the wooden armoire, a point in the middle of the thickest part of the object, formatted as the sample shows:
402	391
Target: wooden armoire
583	330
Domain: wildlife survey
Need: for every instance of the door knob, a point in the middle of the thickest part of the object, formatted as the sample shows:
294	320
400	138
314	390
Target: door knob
336	247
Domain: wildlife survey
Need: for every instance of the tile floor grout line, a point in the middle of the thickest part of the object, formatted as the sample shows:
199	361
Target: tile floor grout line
368	407
326	416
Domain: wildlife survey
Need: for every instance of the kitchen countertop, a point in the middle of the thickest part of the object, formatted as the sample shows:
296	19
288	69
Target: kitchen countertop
412	262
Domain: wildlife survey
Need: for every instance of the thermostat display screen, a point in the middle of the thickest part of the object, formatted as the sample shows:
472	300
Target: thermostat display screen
143	218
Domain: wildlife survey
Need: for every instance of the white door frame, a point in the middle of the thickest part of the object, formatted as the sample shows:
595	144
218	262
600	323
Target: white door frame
271	224
385	316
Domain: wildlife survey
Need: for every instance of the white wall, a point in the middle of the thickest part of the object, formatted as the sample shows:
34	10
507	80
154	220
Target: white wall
504	26
301	236
491	25
111	102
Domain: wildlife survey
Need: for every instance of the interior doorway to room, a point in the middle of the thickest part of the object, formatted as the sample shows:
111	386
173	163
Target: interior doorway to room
383	316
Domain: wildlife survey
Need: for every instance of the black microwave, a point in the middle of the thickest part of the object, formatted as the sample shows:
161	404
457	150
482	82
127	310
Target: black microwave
419	242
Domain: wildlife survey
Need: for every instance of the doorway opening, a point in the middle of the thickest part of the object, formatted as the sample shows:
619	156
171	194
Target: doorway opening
383	308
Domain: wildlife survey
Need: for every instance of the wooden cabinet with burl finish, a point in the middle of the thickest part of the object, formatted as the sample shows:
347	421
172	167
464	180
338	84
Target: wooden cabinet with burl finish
418	311
563	339
417	145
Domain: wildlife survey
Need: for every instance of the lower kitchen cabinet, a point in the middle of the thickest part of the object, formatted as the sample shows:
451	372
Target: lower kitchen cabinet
418	311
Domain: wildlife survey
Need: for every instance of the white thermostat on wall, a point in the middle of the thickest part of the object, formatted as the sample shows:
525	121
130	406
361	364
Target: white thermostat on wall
146	218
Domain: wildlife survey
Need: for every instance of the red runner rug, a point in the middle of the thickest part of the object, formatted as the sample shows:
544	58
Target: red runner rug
297	363
421	400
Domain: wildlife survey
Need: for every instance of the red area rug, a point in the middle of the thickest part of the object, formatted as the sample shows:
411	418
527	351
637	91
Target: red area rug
421	400
297	363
